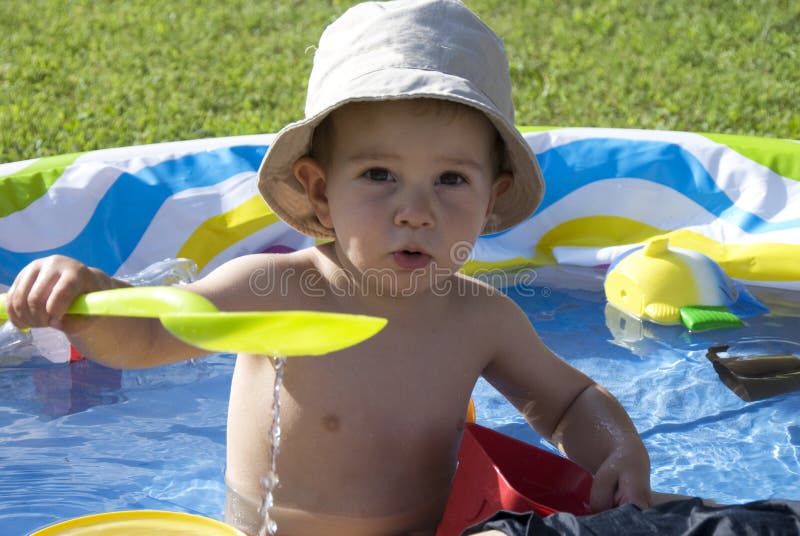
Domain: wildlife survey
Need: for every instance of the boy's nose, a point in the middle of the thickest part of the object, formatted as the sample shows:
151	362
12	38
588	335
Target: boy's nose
415	210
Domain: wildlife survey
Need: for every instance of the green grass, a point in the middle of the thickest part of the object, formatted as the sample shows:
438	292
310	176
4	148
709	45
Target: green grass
81	75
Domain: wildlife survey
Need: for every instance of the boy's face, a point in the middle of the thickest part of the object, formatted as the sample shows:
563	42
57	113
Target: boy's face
406	187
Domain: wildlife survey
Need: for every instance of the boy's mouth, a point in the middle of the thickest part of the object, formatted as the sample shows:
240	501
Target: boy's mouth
409	259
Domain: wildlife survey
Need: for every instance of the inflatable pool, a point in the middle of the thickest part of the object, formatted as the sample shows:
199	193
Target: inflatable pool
737	199
80	439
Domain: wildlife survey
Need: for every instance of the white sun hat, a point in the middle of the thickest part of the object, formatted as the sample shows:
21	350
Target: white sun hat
377	51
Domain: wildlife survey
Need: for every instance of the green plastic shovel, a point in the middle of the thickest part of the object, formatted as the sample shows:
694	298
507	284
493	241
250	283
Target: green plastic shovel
195	320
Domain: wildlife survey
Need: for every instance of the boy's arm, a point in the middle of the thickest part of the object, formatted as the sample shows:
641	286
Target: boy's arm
597	433
42	292
566	407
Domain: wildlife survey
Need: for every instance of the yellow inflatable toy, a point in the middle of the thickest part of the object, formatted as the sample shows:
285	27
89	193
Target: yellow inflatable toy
674	285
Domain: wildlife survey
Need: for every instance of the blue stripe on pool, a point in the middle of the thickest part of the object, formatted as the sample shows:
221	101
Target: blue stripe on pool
571	166
132	202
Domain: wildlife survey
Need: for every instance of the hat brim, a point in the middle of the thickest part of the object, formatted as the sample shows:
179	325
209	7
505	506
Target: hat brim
287	198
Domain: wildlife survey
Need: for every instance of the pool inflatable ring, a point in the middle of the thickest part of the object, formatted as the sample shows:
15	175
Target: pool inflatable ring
733	198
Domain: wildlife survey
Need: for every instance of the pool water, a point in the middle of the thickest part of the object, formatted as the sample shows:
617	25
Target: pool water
82	439
702	438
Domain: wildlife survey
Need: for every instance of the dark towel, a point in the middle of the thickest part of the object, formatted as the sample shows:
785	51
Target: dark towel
679	518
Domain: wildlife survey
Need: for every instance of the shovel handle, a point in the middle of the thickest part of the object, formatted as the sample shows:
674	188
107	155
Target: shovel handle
147	302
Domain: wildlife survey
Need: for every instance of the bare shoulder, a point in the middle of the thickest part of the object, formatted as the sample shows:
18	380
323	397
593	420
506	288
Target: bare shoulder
257	281
490	304
494	322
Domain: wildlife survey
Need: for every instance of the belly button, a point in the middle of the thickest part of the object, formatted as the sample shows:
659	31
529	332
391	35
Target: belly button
331	423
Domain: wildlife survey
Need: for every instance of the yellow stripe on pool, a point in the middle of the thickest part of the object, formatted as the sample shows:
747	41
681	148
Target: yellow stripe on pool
225	229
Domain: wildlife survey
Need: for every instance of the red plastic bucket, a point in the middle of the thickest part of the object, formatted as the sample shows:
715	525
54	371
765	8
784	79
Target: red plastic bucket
497	472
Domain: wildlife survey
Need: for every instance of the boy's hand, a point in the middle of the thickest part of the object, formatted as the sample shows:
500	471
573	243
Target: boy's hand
43	290
624	477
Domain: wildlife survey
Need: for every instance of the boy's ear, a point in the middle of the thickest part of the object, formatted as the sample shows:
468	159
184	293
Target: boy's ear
311	175
500	186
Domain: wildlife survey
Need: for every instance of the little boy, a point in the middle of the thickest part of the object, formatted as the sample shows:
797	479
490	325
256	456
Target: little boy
407	153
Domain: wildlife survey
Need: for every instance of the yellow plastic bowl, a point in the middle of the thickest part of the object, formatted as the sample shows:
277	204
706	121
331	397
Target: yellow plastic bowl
139	523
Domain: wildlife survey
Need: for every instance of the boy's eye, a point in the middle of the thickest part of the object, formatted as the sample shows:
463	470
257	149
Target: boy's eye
451	179
377	175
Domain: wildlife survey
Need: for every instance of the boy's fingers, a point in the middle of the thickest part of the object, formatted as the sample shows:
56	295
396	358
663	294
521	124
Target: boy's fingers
39	297
42	292
61	296
18	295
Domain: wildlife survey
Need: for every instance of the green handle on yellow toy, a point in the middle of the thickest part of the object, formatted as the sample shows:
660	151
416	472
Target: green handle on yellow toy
195	320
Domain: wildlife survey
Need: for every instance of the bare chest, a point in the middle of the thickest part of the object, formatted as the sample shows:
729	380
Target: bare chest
388	412
401	384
